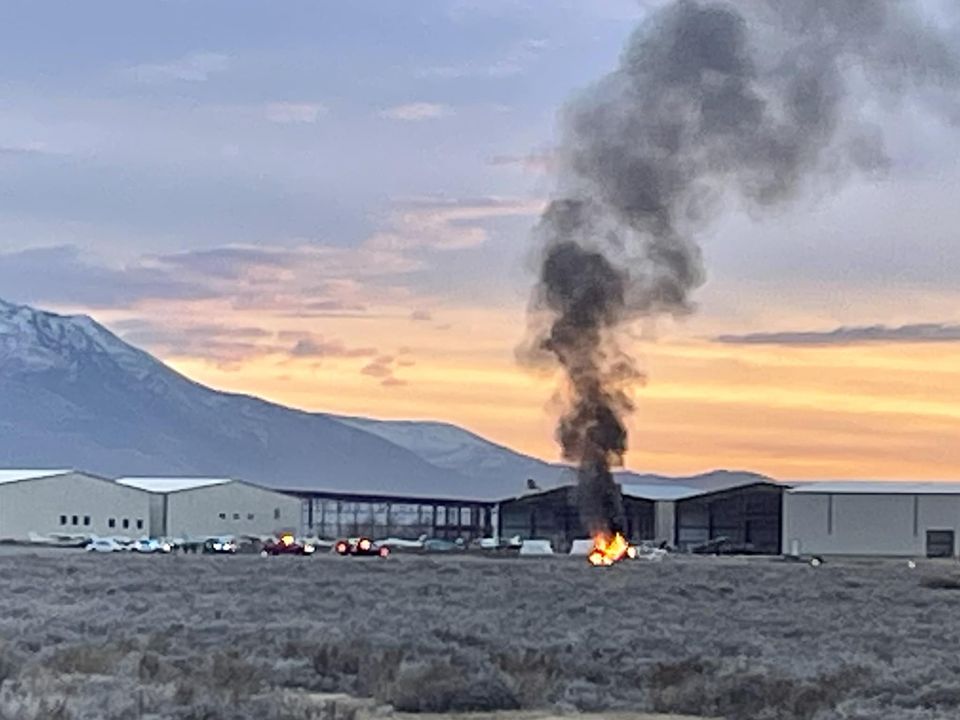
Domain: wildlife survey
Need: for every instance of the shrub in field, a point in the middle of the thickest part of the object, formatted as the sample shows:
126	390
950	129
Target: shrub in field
89	658
232	672
941	582
702	687
444	687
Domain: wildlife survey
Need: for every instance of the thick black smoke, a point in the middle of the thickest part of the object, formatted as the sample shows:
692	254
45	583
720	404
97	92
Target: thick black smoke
759	100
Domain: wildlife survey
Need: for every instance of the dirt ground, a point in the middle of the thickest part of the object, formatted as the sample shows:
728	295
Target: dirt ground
251	638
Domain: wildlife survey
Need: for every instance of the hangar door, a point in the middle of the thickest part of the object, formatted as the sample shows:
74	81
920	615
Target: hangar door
748	518
940	543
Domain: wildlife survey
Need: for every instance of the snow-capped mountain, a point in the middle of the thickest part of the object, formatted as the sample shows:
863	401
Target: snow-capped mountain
32	341
73	394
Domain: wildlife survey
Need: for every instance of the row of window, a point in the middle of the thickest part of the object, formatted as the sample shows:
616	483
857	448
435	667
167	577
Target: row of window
236	516
111	522
250	516
384	513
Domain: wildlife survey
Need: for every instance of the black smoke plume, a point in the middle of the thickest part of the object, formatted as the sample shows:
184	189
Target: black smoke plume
758	100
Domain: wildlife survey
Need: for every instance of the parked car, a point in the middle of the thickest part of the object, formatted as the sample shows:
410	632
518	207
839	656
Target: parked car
287	545
104	545
361	547
220	545
151	545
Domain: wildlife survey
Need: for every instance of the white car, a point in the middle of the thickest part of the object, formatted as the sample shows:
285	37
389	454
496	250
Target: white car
104	545
151	545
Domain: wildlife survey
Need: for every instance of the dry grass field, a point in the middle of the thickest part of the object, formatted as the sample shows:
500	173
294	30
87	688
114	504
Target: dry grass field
250	638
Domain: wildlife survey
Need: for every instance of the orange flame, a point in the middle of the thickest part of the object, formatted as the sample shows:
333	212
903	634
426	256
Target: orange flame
608	550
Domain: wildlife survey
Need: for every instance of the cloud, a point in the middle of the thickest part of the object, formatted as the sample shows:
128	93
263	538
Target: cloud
334	307
442	224
540	163
413	112
308	279
915	333
61	274
223	344
279	263
498	69
319	347
383	368
25	149
228	345
515	61
194	67
289	113
377	369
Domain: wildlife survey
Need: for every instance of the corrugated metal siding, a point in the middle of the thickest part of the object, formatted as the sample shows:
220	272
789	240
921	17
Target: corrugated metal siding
892	524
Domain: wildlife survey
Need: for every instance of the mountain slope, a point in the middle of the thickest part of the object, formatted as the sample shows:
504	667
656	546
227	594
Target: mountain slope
73	394
453	448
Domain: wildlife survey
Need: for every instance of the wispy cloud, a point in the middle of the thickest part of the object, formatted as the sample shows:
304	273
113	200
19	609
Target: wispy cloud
915	333
515	61
416	111
194	67
303	279
308	345
25	149
534	162
384	368
63	274
228	346
293	113
445	224
225	345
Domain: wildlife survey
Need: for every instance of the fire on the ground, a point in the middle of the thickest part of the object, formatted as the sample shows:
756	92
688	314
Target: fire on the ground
609	549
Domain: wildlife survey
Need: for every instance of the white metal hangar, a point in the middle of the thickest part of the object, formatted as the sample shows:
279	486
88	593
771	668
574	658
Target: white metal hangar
70	503
872	518
203	507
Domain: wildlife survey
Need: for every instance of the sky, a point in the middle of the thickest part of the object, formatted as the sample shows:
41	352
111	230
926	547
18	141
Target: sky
330	205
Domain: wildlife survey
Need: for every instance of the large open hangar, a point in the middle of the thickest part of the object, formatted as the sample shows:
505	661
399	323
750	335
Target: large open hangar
552	515
336	514
872	518
745	511
747	517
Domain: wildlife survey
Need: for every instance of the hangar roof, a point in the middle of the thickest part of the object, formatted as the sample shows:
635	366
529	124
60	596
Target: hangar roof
661	491
170	484
707	484
863	487
8	476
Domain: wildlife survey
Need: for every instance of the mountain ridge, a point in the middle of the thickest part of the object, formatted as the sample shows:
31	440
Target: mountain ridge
76	394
